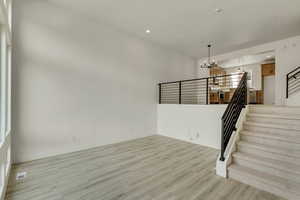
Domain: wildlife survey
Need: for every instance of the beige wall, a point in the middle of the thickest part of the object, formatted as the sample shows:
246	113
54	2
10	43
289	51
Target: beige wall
80	84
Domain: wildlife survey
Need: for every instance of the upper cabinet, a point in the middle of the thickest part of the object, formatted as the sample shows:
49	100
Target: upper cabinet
268	69
217	71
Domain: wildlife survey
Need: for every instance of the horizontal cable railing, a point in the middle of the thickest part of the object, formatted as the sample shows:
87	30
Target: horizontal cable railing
232	113
293	82
199	91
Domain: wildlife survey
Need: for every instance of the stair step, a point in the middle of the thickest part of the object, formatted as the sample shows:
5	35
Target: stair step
272	142
273	136
283	127
267	165
274	120
273	184
266	151
258	127
277	116
268	109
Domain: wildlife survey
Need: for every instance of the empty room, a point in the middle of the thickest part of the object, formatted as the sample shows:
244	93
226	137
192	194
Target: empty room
149	100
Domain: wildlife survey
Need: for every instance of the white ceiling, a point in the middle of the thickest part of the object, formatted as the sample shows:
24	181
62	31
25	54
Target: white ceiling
188	25
266	57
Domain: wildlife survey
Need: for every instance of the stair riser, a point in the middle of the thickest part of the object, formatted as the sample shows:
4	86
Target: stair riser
253	181
294	147
267	169
272	130
283	156
274	110
274	121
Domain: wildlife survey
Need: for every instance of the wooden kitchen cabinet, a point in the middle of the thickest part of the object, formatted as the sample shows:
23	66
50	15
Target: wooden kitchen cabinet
217	71
214	98
260	97
268	69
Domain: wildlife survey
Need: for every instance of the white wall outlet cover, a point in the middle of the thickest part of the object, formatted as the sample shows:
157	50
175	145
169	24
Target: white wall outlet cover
21	175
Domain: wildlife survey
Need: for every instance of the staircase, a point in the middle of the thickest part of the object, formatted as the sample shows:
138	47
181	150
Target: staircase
268	153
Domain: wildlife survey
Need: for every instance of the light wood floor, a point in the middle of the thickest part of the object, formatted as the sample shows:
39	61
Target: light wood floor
151	168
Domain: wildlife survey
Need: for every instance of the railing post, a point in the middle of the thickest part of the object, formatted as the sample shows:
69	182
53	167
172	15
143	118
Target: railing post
179	92
207	91
287	86
222	142
159	93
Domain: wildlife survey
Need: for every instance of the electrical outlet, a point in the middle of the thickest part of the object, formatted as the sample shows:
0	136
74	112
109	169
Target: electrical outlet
21	175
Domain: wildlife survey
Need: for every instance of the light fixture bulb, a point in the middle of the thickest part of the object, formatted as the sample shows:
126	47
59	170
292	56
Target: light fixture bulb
148	31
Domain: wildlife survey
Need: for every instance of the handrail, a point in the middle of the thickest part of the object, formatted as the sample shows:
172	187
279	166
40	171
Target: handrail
198	79
232	113
297	68
292	82
214	89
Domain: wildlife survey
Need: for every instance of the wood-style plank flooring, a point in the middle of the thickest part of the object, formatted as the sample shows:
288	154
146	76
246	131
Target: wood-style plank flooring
151	168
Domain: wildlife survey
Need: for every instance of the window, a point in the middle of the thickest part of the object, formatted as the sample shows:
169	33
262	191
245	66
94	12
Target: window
4	84
5	70
5	92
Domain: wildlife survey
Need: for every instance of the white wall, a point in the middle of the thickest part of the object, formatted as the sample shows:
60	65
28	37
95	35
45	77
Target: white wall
287	59
269	90
80	84
294	99
286	56
200	124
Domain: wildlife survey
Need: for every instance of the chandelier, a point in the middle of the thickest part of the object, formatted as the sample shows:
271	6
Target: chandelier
209	64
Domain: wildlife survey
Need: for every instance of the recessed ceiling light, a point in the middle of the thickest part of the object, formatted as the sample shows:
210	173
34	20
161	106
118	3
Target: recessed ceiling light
148	31
218	10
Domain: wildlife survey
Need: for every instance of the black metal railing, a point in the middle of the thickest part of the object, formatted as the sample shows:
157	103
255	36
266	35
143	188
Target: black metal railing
232	113
217	89
293	82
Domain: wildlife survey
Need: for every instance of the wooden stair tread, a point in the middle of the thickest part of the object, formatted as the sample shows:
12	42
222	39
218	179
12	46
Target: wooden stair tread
272	125
276	116
269	148
276	164
279	182
273	136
